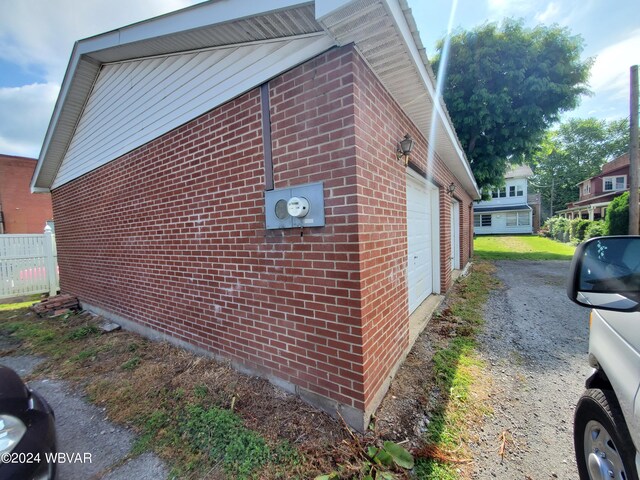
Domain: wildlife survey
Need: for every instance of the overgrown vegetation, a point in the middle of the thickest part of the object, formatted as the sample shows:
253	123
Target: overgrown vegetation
578	230
192	426
574	231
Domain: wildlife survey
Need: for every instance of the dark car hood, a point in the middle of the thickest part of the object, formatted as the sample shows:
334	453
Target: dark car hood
14	394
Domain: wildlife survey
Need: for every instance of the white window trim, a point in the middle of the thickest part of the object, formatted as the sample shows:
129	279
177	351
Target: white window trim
613	179
520	217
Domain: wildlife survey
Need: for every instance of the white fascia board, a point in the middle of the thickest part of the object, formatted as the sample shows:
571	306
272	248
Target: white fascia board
57	110
394	8
194	17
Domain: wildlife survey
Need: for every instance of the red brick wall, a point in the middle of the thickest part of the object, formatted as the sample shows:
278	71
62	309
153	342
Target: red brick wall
172	236
380	124
23	211
312	115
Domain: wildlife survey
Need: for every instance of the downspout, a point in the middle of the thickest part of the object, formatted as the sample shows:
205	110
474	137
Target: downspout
266	136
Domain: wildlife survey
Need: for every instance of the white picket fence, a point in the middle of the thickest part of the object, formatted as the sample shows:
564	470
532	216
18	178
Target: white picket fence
28	264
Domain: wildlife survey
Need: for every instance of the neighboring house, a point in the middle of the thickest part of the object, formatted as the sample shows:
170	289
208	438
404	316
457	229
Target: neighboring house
184	151
596	193
509	210
20	210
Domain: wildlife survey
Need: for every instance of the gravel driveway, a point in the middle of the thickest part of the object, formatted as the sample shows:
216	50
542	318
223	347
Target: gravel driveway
535	343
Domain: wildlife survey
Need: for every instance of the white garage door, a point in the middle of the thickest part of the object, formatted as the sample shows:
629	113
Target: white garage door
419	238
455	235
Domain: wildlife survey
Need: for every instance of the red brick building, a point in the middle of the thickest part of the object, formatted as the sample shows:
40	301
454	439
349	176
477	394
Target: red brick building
20	210
174	138
597	192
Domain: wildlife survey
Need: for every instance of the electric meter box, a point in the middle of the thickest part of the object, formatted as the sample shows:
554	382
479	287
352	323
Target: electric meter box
295	207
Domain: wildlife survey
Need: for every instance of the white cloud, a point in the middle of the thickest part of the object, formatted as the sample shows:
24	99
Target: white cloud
38	35
565	13
42	32
24	117
610	73
549	15
498	9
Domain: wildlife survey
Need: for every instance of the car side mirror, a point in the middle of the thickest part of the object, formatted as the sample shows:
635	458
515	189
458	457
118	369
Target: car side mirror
605	274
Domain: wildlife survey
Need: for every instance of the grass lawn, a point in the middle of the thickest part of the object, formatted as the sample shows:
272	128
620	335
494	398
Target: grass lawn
499	247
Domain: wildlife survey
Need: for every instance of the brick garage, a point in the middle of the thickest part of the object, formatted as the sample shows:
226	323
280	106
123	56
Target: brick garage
170	237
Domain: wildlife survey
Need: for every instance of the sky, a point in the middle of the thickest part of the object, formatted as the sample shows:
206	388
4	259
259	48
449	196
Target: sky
37	36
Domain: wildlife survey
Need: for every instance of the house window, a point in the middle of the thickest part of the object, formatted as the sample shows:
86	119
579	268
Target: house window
615	183
481	220
518	219
586	188
503	192
494	194
516	191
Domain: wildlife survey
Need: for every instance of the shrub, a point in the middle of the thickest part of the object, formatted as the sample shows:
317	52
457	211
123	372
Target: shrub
562	229
548	226
557	228
617	219
597	228
578	227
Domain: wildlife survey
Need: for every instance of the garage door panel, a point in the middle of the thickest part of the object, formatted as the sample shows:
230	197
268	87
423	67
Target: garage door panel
419	238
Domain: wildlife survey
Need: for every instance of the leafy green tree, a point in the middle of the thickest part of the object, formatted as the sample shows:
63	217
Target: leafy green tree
573	152
505	86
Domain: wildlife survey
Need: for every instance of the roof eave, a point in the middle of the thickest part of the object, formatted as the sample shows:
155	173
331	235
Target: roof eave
88	53
410	55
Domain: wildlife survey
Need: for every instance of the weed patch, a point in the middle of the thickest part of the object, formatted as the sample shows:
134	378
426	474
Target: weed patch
82	332
131	363
457	374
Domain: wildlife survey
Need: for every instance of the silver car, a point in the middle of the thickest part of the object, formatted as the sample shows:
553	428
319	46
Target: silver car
605	276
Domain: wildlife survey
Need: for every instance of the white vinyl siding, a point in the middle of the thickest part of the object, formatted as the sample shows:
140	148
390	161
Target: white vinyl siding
504	221
136	101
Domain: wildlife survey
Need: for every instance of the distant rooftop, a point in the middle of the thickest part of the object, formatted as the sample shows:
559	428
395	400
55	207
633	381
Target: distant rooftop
617	162
519	171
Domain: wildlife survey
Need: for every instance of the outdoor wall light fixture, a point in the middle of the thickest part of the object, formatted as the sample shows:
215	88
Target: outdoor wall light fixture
404	148
451	188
